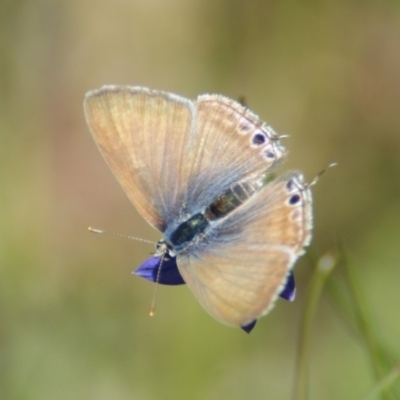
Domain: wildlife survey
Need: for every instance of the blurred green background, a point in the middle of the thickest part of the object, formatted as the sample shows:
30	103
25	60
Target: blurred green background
73	320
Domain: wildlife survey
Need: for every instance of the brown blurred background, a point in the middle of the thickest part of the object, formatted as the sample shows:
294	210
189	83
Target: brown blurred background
73	321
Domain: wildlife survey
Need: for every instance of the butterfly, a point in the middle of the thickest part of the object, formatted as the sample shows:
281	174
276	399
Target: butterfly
200	173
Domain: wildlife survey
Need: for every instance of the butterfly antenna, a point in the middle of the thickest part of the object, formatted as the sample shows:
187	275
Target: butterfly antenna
316	179
153	302
101	232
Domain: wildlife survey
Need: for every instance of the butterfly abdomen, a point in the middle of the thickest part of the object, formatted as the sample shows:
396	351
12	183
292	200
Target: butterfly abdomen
232	198
194	227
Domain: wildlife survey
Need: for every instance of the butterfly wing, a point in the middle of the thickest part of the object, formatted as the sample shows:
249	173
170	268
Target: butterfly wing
231	143
173	156
238	275
143	136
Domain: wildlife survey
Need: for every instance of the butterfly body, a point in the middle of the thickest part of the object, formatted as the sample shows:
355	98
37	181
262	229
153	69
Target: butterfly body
203	225
198	172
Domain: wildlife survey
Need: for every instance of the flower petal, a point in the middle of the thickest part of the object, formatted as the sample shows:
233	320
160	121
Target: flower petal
249	327
169	271
289	291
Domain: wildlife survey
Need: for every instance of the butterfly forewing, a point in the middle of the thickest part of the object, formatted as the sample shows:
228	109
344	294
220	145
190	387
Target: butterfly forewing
230	144
144	136
240	273
173	156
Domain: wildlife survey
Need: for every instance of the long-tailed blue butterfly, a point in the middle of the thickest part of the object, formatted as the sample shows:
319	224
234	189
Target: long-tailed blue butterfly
198	171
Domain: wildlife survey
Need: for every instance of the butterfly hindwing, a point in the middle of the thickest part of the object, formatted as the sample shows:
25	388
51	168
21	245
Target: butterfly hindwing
240	273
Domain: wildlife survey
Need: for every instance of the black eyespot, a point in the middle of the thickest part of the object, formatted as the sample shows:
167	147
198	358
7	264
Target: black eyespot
258	139
269	154
294	199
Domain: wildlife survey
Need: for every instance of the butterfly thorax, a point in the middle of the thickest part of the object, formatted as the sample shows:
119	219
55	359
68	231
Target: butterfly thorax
194	228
